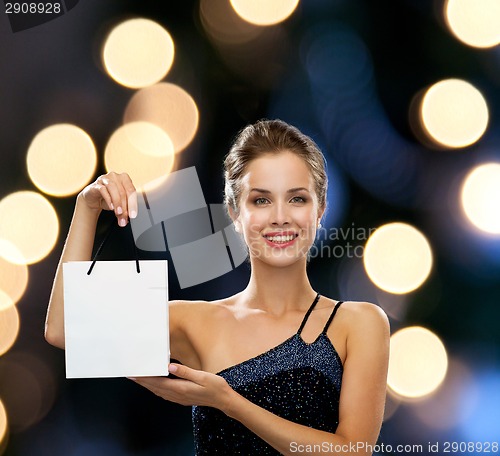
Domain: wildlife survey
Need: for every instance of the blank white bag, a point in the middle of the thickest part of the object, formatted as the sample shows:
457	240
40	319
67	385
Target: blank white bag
116	319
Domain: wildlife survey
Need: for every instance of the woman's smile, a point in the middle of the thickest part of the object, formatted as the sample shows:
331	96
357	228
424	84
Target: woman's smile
280	239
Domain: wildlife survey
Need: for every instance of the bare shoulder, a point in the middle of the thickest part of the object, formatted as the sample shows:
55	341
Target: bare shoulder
194	312
362	317
198	306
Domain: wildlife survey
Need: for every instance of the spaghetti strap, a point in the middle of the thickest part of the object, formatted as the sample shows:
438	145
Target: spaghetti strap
325	329
306	316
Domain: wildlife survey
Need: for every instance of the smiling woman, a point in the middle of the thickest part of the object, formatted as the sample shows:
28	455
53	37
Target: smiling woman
277	366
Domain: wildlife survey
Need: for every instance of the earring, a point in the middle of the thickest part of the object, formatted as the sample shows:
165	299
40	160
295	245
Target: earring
319	225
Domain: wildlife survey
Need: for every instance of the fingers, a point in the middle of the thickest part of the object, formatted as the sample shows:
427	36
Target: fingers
180	391
131	195
120	196
186	373
105	196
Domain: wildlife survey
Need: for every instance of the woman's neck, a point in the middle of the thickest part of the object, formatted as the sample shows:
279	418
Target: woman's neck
278	289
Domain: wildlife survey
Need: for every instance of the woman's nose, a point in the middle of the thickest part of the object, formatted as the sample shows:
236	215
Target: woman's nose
280	215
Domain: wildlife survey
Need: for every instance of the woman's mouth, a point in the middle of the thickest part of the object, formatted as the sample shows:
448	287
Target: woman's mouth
280	240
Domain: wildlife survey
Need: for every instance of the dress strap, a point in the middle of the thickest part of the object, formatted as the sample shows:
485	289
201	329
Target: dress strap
306	316
325	329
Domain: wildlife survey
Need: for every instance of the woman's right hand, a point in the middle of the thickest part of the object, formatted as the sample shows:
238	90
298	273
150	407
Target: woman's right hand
112	192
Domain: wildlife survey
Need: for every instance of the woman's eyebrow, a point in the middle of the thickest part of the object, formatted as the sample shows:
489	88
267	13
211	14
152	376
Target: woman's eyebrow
292	190
298	189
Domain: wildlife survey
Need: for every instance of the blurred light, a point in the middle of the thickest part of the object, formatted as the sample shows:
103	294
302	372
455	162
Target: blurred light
392	403
398	258
28	221
264	12
169	107
142	150
222	23
5	300
21	394
9	328
417	362
61	160
338	63
446	408
4	425
28	389
359	135
13	275
481	197
481	422
353	282
257	54
454	113
474	22
138	53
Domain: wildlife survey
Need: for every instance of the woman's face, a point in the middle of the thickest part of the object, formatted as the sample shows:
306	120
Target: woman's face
278	209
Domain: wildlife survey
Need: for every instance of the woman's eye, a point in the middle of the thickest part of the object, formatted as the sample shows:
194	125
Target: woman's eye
298	199
260	201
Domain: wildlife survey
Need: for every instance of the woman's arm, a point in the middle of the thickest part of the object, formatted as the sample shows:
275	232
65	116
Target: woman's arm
362	396
110	192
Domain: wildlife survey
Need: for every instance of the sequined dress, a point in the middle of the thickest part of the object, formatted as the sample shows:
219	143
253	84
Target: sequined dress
295	380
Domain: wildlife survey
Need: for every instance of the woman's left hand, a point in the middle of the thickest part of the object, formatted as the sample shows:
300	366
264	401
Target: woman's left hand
193	387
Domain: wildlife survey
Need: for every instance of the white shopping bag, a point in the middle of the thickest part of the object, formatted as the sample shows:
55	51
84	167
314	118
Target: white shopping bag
116	319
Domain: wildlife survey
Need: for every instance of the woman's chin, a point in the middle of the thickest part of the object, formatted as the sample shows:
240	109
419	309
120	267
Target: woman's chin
278	257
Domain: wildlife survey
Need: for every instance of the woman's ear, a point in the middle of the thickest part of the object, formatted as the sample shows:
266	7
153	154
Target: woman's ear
321	212
235	218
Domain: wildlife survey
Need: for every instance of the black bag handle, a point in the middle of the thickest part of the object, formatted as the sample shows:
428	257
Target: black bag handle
108	233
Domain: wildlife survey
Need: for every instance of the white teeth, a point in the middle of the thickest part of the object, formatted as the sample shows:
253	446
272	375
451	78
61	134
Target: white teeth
281	238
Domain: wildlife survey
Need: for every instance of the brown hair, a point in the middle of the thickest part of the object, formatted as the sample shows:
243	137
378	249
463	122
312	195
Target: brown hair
271	137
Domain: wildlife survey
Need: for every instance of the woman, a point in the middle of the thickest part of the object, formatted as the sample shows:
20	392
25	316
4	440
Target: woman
276	368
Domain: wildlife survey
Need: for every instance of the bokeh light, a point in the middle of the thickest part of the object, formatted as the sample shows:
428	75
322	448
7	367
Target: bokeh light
223	25
446	409
392	403
169	107
481	421
13	275
61	159
417	363
398	258
5	300
454	113
28	389
9	328
142	150
28	221
264	12
3	426
352	281
256	54
138	53
481	197
474	22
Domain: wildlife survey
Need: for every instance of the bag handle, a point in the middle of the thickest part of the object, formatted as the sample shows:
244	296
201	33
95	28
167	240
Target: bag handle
108	233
